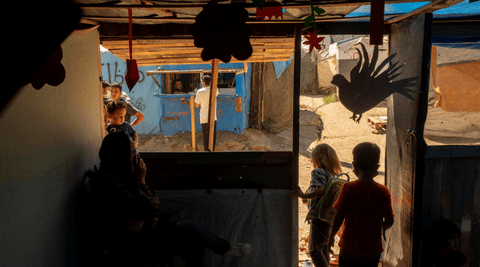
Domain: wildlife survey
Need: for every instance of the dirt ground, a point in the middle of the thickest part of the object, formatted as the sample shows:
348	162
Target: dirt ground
340	132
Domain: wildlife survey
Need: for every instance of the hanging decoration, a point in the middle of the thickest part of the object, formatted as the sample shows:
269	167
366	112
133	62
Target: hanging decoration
368	87
52	72
312	38
222	32
132	76
270	12
377	8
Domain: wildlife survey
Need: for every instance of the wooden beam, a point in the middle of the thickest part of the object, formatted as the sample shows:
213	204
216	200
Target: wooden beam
428	8
212	105
200	61
247	6
192	117
296	102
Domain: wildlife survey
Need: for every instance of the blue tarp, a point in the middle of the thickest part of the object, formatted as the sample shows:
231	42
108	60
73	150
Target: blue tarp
464	8
280	66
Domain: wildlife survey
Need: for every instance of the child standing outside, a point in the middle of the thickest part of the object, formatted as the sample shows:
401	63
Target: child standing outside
118	95
366	208
116	111
326	165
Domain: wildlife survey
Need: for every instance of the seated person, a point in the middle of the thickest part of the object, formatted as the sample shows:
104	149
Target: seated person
131	227
116	111
178	87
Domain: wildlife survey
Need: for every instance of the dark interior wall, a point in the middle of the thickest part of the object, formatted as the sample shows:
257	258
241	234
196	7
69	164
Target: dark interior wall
452	190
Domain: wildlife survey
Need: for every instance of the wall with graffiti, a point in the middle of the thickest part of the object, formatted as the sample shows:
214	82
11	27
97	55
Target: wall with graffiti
169	114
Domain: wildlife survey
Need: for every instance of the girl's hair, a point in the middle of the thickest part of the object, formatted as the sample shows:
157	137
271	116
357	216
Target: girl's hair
115	153
326	157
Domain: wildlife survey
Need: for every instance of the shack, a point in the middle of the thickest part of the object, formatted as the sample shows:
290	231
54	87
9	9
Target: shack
169	113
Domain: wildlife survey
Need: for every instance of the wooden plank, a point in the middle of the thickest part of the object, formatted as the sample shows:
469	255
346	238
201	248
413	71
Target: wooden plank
168	84
238	104
296	101
178	61
452	151
247	6
448	188
376	123
195	54
194	170
170	118
458	171
192	118
212	106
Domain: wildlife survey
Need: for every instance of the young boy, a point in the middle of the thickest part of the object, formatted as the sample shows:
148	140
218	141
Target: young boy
365	206
116	95
116	114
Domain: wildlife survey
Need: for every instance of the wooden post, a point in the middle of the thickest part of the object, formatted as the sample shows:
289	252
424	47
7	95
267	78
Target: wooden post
212	105
168	83
192	110
296	101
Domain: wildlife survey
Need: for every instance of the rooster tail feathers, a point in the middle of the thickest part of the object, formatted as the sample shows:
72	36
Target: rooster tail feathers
356	70
402	87
384	62
391	70
391	78
407	93
374	59
366	64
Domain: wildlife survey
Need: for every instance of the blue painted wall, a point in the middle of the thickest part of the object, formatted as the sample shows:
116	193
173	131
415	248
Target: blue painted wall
147	98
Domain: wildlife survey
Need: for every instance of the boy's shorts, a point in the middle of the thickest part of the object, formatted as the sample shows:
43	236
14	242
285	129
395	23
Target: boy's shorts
349	260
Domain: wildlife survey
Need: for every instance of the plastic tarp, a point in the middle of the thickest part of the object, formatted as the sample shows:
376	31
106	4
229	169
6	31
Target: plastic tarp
280	66
265	220
454	91
278	99
456	79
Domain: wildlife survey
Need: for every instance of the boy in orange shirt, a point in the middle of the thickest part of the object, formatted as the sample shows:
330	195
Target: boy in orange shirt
366	208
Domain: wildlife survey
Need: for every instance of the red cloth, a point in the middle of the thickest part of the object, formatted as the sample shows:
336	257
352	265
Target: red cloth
364	204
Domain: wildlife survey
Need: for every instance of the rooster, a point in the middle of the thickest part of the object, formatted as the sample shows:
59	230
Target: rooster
367	87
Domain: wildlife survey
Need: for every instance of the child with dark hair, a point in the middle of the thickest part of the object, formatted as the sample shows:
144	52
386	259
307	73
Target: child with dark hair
116	111
440	245
364	206
118	95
